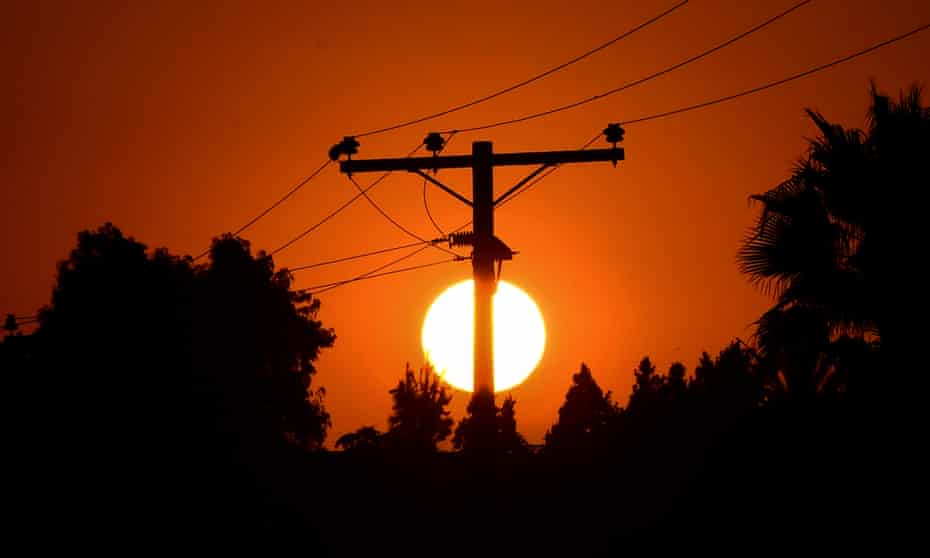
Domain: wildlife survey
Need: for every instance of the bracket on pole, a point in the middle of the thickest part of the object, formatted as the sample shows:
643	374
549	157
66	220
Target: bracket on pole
445	188
518	185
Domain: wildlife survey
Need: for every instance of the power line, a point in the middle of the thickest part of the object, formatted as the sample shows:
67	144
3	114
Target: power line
270	208
393	221
428	213
383	213
530	184
736	96
640	81
781	81
373	272
19	317
322	221
664	114
12	322
357	256
526	81
338	210
545	174
329	286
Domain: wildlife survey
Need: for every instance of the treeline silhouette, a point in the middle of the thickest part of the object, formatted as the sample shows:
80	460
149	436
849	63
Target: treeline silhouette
155	391
163	402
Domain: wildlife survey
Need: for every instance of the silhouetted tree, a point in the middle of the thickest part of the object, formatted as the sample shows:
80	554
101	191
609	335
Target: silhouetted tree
647	383
729	385
478	429
503	433
257	341
584	417
658	409
366	439
510	439
831	239
420	419
676	383
152	381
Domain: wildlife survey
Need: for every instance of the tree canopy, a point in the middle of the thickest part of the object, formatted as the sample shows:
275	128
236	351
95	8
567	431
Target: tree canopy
420	419
831	240
584	417
148	371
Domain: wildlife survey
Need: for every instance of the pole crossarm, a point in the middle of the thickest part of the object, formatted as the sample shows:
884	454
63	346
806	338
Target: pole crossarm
518	185
445	188
413	164
488	251
557	157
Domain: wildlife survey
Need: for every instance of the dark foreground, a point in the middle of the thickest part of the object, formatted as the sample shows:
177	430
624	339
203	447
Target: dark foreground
804	484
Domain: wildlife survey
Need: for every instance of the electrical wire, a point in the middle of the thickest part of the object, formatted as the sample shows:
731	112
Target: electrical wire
357	256
640	81
428	213
371	272
449	140
319	289
18	322
393	221
19	317
375	272
782	81
392	249
425	201
270	208
322	221
525	82
545	174
719	100
338	210
384	213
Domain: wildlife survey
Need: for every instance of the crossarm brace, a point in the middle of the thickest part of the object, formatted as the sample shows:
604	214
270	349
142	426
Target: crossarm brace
445	188
520	184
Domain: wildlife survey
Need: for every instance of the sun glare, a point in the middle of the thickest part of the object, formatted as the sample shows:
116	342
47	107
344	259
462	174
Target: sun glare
519	335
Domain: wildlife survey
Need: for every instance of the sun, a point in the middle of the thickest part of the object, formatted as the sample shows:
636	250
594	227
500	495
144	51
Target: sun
519	335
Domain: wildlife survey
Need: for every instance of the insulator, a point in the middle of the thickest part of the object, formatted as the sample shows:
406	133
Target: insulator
462	238
613	133
348	147
434	142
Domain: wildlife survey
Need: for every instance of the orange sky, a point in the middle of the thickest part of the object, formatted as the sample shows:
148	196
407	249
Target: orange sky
178	121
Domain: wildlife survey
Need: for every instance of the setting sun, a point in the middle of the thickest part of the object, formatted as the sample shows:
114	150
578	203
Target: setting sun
519	335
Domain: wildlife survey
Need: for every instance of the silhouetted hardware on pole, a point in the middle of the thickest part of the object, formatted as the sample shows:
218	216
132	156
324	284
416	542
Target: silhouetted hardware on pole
487	249
348	147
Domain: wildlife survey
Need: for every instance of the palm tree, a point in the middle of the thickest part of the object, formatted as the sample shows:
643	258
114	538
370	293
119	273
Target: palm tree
831	240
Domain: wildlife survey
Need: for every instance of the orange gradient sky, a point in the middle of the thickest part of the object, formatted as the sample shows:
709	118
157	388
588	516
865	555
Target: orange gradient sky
180	120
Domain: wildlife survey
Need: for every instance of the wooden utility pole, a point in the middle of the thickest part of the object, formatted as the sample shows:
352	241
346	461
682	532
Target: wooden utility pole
487	249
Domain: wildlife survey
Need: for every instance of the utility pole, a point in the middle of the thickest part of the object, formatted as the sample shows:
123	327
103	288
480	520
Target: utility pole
487	249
